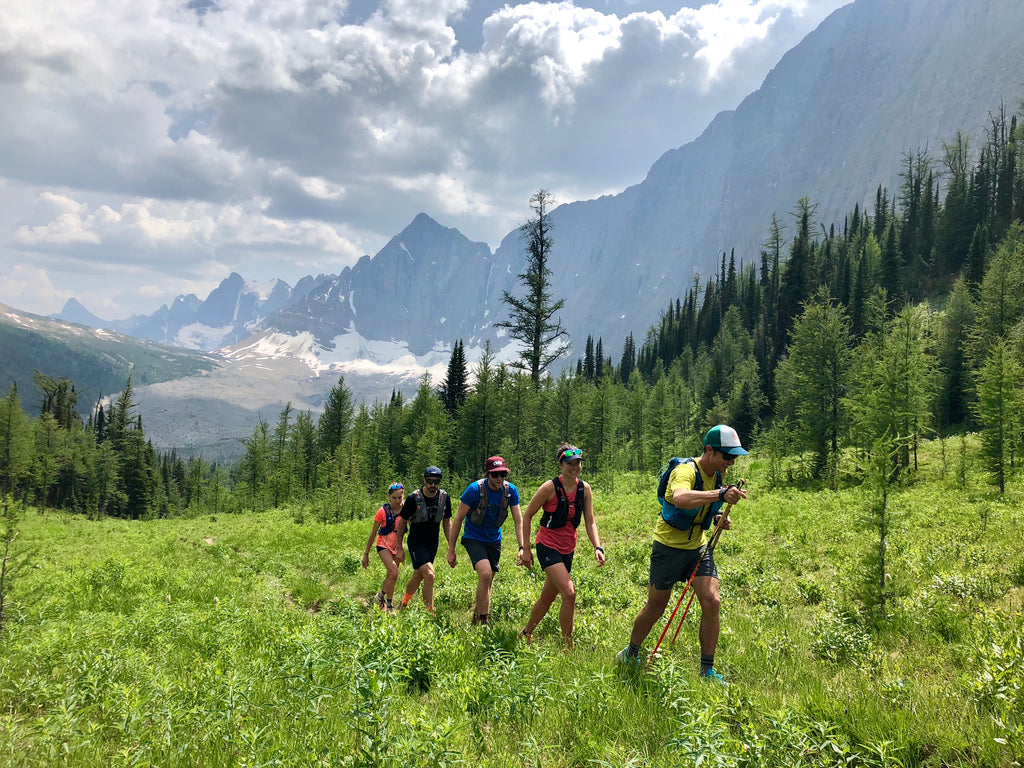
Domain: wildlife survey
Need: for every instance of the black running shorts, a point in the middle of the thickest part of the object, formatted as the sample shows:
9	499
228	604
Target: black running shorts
479	550
547	557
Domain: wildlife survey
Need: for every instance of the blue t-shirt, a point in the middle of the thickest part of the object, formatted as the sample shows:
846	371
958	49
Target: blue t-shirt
489	532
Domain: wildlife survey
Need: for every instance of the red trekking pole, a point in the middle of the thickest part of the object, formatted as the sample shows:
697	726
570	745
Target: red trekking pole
710	548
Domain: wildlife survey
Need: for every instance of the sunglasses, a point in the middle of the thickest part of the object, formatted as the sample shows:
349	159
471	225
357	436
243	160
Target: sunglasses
498	474
431	481
570	454
396	487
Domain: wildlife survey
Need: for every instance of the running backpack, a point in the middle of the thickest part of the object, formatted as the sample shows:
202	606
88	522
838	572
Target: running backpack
478	515
422	514
684	519
389	521
560	517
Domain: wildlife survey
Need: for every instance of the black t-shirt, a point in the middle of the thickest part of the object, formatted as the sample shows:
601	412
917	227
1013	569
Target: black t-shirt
427	530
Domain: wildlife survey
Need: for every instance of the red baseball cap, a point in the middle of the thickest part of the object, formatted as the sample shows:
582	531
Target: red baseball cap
495	464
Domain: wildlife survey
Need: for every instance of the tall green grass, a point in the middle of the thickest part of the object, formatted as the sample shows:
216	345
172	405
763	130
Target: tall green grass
249	641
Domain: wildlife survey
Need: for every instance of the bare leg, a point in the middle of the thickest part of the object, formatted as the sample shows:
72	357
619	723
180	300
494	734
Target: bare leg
414	582
548	593
657	601
706	588
485	577
391	578
426	572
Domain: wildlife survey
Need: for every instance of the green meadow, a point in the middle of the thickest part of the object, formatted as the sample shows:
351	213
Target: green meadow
249	640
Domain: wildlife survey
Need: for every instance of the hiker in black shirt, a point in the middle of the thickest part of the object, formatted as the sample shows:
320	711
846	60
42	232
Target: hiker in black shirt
424	513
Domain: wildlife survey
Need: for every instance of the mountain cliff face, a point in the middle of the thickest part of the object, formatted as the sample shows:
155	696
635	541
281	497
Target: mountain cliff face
429	286
878	79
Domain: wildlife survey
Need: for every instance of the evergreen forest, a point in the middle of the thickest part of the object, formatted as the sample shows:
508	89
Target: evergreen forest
838	340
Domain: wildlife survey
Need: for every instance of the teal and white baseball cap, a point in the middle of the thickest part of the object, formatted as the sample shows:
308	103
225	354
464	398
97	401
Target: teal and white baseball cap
725	439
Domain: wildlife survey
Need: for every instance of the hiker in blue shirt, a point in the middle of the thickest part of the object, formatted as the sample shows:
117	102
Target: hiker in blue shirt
484	506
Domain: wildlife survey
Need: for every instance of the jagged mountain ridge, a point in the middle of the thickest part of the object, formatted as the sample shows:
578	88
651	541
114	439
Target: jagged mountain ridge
231	313
427	287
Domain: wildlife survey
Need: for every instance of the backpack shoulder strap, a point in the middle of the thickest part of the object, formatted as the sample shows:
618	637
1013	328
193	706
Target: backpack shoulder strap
667	474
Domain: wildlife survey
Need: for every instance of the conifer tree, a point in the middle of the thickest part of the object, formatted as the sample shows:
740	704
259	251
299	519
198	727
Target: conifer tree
798	276
305	453
958	221
455	386
477	426
1001	302
255	466
427	431
16	444
532	319
813	379
954	327
336	420
998	406
628	362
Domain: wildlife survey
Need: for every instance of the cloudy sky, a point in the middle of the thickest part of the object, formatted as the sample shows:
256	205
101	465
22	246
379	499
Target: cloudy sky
148	148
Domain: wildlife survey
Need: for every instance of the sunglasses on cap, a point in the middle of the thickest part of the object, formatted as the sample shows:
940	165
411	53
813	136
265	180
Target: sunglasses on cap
571	454
396	487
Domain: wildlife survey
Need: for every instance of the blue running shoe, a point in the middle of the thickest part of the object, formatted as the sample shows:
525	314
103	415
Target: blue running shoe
712	676
625	656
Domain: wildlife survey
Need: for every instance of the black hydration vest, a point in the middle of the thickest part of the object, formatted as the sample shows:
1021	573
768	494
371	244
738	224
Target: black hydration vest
560	517
422	514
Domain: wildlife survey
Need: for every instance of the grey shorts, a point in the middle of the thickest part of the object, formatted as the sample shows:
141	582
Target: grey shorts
670	565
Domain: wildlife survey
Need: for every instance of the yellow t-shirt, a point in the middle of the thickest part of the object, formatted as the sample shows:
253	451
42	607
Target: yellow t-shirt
684	476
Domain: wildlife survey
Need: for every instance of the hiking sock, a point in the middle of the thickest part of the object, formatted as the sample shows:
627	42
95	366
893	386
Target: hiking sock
406	597
632	651
706	662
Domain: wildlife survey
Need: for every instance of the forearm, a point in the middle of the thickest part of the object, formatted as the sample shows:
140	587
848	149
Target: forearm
687	498
517	519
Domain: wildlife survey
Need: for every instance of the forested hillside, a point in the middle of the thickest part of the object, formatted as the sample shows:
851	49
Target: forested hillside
97	361
865	335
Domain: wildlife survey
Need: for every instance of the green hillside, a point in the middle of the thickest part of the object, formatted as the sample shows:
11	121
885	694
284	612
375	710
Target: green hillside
97	361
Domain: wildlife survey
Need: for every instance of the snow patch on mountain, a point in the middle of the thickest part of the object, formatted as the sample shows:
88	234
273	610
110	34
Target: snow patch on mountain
199	336
276	346
261	288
